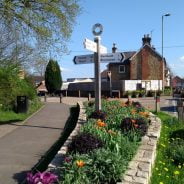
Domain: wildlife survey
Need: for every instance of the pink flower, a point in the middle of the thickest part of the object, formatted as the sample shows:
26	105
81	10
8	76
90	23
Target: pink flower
41	178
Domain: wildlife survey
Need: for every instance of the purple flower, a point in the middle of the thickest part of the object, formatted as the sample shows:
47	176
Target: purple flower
41	178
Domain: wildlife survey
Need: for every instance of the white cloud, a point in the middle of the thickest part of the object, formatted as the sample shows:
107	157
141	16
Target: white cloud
182	58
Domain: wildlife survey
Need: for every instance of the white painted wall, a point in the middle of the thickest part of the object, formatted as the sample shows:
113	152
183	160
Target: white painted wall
131	85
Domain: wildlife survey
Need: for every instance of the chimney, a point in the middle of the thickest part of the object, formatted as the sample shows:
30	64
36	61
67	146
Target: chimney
114	48
146	40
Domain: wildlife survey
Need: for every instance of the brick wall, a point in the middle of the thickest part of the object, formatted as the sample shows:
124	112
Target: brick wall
135	67
115	75
146	65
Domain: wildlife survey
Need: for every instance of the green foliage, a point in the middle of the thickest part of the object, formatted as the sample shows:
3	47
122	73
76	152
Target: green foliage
142	93
159	92
175	151
139	126
135	93
150	93
53	80
166	169
12	86
50	21
11	116
167	91
84	143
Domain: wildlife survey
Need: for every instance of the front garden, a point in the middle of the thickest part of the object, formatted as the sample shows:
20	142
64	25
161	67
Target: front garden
106	143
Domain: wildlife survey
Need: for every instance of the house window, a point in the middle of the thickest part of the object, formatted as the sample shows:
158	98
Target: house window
121	68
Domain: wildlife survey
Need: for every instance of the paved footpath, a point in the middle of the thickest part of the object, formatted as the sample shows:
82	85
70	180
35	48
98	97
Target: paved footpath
22	147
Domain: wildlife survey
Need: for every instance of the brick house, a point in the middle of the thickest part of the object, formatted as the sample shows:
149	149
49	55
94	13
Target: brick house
145	64
177	82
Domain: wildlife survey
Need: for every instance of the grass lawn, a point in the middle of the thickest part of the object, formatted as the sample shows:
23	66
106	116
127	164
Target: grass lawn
169	168
11	116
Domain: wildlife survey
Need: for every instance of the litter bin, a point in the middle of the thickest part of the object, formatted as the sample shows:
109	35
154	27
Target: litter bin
22	104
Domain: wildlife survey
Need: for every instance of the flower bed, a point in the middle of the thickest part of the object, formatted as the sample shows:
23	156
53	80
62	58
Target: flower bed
169	165
116	135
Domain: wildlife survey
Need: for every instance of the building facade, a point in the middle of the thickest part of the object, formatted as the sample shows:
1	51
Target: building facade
145	64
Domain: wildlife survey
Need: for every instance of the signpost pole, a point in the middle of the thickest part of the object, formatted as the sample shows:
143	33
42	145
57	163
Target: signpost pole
110	80
97	75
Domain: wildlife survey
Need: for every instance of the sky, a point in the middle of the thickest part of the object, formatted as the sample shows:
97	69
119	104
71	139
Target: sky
125	22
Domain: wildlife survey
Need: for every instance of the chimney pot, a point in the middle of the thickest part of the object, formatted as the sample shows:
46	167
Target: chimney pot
114	48
146	40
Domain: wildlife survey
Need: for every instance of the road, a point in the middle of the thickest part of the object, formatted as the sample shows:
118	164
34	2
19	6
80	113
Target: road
167	103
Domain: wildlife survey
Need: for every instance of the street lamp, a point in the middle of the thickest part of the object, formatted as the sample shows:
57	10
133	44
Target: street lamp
165	15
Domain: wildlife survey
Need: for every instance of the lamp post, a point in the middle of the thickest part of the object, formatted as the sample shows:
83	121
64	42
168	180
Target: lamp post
165	15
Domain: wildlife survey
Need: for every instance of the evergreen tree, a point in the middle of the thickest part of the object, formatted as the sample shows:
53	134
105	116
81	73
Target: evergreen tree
53	80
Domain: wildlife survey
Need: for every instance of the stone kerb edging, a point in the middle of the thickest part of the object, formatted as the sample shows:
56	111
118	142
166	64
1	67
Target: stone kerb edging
56	162
139	169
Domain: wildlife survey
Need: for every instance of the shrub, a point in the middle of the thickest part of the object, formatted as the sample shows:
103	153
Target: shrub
167	91
138	106
53	79
98	115
135	94
84	143
127	125
175	151
159	92
141	93
12	86
142	126
138	125
150	93
177	134
91	103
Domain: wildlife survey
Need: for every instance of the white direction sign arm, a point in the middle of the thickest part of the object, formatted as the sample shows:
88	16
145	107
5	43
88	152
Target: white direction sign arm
92	46
84	59
104	58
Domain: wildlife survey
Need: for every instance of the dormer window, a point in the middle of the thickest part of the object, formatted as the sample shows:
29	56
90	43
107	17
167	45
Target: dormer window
121	68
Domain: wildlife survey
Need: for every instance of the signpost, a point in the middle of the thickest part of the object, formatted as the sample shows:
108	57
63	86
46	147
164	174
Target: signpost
97	75
100	55
112	57
104	58
84	59
92	46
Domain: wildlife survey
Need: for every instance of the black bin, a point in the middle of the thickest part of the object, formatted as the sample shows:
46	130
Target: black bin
22	104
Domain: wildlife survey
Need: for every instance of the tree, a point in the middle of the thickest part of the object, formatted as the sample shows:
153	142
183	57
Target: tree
12	86
12	50
49	22
53	80
39	66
